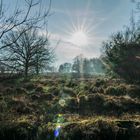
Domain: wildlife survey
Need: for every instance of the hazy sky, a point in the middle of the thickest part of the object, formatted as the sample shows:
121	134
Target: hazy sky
96	19
99	18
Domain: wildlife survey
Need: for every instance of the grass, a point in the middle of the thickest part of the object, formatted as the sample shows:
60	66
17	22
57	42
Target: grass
88	108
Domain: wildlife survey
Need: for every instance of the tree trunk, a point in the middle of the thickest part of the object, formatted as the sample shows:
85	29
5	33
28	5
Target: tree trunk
26	70
37	69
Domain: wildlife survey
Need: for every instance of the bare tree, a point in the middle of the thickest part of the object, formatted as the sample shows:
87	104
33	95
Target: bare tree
29	53
43	58
22	16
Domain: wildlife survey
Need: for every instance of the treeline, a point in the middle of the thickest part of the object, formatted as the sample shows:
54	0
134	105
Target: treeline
83	65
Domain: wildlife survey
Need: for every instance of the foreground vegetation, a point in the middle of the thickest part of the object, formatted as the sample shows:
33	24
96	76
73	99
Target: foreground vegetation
63	107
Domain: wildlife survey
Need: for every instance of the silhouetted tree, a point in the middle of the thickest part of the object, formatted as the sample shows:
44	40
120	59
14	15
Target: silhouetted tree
122	53
78	64
65	68
14	20
30	52
88	66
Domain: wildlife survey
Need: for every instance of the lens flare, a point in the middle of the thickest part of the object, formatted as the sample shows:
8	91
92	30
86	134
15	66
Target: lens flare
62	102
59	122
57	131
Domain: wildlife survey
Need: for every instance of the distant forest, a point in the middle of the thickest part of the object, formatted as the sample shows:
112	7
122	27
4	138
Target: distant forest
83	65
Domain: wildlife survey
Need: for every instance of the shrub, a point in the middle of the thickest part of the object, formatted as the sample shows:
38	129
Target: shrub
68	91
29	86
92	103
54	90
121	53
21	91
116	90
71	83
100	82
134	91
9	91
39	89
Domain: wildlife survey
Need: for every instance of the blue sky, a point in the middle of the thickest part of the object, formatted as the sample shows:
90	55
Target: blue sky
99	18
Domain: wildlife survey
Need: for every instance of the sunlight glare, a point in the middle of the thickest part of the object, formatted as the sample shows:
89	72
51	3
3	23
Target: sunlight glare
79	38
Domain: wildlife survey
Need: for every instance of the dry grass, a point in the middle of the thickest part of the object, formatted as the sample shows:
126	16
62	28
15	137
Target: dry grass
85	105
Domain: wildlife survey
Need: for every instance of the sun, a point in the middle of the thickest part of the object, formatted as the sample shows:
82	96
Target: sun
79	38
79	34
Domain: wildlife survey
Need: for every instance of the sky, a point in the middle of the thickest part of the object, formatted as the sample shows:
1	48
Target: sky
98	18
80	26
